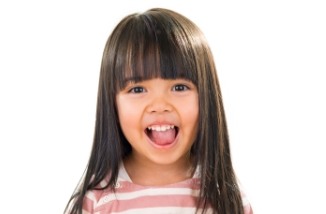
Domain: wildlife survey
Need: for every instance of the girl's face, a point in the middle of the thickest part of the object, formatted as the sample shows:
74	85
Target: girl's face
159	119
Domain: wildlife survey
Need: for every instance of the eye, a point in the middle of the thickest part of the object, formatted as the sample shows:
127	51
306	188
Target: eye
137	90
180	87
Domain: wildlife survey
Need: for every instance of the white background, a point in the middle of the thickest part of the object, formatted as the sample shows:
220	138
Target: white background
271	60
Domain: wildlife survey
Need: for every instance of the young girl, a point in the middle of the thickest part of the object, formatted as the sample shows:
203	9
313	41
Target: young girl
161	142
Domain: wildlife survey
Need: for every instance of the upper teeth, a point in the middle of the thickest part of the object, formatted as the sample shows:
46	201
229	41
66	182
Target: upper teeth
159	128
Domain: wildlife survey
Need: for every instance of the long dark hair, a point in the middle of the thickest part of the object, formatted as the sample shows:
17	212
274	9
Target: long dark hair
162	43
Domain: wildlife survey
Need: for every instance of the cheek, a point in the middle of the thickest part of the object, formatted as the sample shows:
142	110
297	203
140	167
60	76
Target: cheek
129	118
126	115
190	114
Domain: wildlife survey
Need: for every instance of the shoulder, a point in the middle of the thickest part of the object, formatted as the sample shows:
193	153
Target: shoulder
99	197
96	198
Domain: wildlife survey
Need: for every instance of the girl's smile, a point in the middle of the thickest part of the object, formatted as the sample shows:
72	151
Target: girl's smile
159	119
162	136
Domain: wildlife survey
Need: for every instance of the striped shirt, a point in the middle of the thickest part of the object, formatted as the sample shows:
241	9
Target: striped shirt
130	198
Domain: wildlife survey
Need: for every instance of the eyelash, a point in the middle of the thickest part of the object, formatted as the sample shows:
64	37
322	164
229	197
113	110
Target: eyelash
136	90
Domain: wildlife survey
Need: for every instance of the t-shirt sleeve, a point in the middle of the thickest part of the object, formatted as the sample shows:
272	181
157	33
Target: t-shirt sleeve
246	204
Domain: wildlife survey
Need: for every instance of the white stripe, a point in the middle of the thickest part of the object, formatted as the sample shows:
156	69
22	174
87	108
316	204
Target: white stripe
161	210
147	192
90	195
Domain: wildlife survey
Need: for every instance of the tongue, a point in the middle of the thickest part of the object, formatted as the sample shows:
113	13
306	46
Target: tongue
162	138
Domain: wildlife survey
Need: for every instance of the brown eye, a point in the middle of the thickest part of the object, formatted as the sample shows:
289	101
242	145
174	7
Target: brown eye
137	90
180	87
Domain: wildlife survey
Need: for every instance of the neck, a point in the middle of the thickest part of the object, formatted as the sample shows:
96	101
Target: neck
147	173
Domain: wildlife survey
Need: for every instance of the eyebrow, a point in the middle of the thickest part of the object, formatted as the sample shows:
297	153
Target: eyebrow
133	79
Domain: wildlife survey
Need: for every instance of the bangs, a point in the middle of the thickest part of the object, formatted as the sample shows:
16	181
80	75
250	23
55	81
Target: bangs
153	47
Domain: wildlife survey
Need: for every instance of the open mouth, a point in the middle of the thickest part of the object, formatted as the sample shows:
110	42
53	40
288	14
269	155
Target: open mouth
162	134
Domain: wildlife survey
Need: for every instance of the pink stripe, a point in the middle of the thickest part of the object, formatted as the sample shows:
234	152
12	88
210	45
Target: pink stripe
148	202
88	204
97	194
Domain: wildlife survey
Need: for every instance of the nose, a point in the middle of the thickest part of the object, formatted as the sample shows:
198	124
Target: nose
159	103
